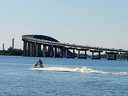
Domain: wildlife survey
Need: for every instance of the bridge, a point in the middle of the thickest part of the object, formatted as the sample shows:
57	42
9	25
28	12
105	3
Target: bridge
45	46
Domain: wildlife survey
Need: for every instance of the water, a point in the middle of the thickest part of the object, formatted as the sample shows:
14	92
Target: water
18	79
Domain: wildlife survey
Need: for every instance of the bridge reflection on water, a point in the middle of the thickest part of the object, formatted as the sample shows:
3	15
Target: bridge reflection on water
44	46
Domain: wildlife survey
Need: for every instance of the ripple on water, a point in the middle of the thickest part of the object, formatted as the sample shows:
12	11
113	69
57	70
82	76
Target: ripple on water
17	80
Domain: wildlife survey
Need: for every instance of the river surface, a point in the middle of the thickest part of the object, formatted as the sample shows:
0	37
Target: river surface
109	78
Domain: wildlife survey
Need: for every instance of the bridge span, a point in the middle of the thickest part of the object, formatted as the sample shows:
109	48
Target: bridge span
44	46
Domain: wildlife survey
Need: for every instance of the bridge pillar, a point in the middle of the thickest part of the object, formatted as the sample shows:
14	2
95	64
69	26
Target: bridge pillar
78	55
58	51
83	55
37	50
65	52
32	54
96	56
70	52
61	52
74	55
30	50
25	48
44	50
55	51
112	55
127	55
50	51
33	50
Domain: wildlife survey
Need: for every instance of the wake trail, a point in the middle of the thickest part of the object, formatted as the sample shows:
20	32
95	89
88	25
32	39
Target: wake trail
80	70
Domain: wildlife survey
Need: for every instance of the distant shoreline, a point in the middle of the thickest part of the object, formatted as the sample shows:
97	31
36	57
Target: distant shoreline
11	52
19	52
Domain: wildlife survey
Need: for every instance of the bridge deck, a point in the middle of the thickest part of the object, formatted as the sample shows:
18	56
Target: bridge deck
67	45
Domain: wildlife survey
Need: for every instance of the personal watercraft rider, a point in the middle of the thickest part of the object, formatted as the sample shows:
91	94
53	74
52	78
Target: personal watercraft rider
39	64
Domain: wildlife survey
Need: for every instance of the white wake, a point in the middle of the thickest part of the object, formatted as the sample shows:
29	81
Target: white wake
67	69
80	70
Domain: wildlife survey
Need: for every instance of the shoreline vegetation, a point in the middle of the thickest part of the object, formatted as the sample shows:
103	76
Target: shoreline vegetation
12	52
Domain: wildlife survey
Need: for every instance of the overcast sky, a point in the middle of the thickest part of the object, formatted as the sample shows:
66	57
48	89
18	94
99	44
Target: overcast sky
102	23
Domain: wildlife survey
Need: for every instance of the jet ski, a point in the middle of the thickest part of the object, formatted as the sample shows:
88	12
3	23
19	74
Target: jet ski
38	64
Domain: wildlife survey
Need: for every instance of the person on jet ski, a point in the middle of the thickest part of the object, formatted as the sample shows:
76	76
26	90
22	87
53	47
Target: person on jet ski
39	64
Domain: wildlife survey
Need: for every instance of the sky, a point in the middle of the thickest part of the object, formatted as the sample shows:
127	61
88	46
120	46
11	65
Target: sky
102	23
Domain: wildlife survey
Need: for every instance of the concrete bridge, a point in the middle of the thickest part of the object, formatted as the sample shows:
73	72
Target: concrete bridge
44	46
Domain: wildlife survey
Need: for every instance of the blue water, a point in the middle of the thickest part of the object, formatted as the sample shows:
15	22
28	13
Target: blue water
17	78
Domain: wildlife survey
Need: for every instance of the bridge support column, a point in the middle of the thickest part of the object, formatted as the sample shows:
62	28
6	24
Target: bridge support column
82	55
55	52
50	51
78	55
44	50
71	52
38	49
25	48
30	52
98	56
112	55
33	50
127	55
61	52
74	55
28	48
65	52
85	53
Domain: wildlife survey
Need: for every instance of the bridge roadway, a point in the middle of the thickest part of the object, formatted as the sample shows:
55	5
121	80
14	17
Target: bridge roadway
52	48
